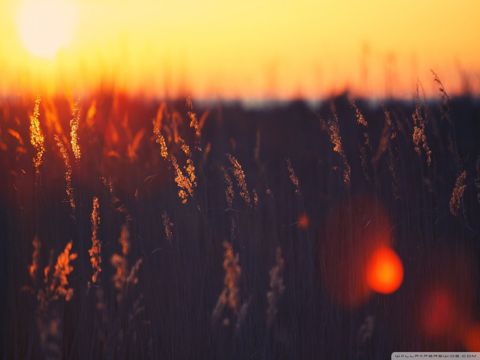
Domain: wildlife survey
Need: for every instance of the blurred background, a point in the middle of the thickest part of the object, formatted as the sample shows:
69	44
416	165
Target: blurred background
231	49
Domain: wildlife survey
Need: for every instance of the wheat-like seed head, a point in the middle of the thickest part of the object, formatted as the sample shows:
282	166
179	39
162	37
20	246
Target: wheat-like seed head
96	249
457	193
36	136
74	123
240	177
277	286
33	268
68	171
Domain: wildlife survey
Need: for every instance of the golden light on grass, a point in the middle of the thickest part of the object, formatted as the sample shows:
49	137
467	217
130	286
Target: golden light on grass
45	26
95	251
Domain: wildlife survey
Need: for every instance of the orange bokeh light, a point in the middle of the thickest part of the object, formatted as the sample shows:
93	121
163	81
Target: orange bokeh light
439	313
384	271
472	338
447	299
355	229
303	221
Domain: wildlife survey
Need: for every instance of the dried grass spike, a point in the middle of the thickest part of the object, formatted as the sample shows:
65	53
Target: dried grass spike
68	171
293	177
36	136
74	123
96	249
240	177
33	268
457	193
276	288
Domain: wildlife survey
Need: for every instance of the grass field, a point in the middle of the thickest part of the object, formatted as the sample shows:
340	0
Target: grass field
135	229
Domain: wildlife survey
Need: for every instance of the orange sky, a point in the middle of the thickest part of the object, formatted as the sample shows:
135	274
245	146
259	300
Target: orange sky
249	48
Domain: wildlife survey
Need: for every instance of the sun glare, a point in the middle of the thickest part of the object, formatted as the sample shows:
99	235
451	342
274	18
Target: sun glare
45	26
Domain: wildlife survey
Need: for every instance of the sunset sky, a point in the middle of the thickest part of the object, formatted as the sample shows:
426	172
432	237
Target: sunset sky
248	49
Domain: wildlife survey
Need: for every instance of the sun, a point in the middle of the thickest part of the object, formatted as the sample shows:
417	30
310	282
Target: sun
44	26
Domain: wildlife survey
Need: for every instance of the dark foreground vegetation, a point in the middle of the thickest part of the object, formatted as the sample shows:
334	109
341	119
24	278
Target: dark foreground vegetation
139	230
